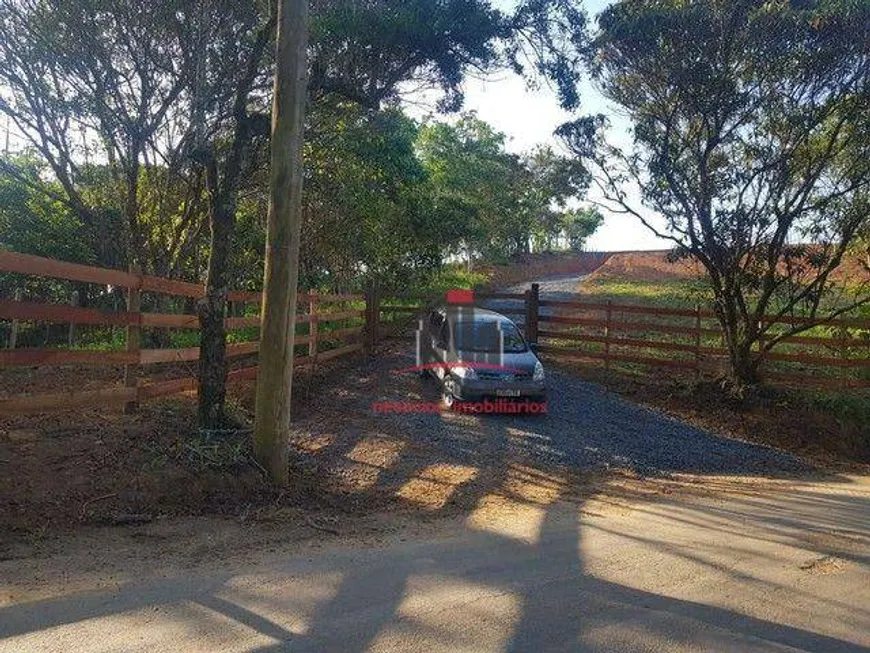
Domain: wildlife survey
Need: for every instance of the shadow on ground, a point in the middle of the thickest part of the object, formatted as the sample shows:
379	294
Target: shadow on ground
518	578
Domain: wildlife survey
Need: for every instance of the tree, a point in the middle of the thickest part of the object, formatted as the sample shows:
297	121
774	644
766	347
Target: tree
364	52
365	197
750	138
228	126
165	105
32	223
501	201
579	224
551	183
470	168
101	79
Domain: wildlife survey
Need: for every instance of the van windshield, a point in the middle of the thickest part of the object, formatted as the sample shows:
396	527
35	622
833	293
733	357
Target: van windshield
486	336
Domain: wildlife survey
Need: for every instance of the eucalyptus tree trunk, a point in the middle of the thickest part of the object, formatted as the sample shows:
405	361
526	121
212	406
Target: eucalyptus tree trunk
212	309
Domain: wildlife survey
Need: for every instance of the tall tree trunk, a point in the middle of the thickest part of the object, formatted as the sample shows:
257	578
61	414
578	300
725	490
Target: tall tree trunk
223	191
743	362
212	309
275	376
135	246
743	366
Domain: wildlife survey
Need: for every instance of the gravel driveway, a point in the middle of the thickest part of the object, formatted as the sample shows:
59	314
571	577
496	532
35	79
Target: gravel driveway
556	287
587	427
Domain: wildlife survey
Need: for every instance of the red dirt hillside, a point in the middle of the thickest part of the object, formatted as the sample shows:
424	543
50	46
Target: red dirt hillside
645	266
648	266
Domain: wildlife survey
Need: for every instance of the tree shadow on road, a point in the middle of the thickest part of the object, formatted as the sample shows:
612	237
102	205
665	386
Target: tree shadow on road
502	590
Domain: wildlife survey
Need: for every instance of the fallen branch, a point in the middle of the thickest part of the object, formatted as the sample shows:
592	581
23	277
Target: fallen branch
327	529
95	499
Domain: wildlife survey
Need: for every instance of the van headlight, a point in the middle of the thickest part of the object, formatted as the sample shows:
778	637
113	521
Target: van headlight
539	372
465	373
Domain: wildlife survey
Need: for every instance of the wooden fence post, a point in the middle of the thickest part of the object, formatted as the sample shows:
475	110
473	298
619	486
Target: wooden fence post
134	338
607	320
373	316
532	303
369	298
71	336
697	341
312	326
312	338
843	334
13	333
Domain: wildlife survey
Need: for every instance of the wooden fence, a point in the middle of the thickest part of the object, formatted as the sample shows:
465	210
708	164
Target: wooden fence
134	388
834	355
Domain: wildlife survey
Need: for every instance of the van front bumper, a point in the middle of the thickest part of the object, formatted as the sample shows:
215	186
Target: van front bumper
476	389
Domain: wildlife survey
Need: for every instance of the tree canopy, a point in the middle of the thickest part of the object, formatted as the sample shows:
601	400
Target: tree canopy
749	127
497	204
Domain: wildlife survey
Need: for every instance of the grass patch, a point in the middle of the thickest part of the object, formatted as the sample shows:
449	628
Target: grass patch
674	293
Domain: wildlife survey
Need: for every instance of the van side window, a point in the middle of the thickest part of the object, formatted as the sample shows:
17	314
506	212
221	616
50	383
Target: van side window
444	335
435	320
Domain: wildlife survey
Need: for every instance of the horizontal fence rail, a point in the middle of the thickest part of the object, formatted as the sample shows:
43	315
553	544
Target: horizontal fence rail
584	329
612	332
331	327
834	354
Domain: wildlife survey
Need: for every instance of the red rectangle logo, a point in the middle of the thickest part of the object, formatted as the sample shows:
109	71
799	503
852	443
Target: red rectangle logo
460	296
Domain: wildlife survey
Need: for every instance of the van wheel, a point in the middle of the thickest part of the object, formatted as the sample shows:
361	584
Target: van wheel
448	398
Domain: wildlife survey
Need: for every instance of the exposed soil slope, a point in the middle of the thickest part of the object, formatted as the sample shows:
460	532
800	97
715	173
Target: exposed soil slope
546	264
645	266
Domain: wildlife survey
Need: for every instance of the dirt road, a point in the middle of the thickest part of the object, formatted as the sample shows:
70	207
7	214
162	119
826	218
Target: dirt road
790	570
562	287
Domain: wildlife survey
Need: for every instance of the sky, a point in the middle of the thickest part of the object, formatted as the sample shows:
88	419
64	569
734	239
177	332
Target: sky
529	118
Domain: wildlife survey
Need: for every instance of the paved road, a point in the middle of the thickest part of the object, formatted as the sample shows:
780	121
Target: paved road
786	571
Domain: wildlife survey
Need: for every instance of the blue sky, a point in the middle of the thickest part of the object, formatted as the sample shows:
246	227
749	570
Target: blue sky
529	117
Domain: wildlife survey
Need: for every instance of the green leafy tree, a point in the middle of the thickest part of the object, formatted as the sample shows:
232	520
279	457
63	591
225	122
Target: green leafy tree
550	184
33	223
364	200
472	175
365	52
157	117
501	202
95	80
750	139
578	225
